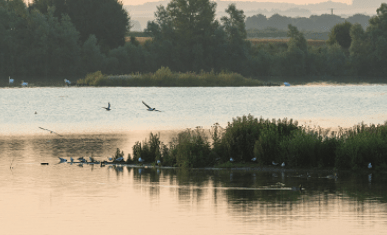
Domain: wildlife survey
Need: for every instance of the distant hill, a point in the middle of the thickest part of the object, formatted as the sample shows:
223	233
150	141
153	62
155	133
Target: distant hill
145	12
322	23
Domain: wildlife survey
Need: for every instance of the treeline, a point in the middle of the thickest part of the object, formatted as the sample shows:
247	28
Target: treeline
322	23
186	37
250	140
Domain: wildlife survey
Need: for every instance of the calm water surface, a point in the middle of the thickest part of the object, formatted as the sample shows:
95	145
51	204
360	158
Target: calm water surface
89	199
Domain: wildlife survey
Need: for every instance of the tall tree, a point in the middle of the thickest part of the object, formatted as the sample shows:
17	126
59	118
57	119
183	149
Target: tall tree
340	34
106	19
234	24
190	26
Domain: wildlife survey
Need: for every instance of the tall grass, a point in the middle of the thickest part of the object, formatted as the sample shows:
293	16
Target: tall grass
164	77
267	140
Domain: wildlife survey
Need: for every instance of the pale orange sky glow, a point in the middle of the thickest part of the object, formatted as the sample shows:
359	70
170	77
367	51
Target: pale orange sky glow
139	2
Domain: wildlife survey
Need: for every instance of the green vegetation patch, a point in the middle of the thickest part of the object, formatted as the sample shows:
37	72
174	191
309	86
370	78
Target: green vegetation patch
250	141
164	77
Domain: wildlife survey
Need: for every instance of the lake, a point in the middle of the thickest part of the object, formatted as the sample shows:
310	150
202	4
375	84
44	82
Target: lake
64	198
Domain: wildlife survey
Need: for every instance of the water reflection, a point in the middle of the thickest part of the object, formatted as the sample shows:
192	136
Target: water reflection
236	201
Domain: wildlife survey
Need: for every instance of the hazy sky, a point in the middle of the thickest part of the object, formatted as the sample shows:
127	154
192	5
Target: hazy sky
139	2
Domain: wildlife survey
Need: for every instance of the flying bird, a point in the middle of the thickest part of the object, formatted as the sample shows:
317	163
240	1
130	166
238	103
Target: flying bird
108	107
149	108
49	130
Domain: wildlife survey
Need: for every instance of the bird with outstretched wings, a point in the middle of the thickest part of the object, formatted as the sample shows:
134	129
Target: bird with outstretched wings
108	107
149	108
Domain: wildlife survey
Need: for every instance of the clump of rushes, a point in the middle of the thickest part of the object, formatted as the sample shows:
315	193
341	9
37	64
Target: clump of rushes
267	140
149	150
164	77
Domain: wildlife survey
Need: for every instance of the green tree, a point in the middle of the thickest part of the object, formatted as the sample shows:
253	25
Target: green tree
360	50
340	34
92	58
295	56
106	19
190	26
234	24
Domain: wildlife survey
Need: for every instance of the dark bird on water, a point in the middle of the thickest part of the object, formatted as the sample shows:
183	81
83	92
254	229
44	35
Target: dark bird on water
149	108
108	107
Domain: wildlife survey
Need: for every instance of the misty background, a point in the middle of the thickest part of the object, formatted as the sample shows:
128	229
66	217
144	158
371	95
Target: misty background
141	14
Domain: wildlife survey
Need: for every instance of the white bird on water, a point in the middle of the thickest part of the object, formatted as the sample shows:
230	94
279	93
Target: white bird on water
10	80
254	159
23	83
283	164
274	163
67	82
141	160
231	159
369	165
108	107
149	108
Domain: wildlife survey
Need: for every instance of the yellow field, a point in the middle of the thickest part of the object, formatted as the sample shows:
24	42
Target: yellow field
254	41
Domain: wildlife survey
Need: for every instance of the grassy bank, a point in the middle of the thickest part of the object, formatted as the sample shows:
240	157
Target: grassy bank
252	141
165	78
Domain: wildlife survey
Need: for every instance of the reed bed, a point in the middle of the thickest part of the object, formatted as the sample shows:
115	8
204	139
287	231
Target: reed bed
261	141
164	77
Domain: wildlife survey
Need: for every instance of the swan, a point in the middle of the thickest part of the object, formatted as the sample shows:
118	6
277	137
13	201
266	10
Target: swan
108	107
149	108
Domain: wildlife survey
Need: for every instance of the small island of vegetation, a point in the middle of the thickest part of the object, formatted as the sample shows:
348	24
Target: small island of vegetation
250	141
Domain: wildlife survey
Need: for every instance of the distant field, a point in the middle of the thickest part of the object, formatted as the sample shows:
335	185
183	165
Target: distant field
254	41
